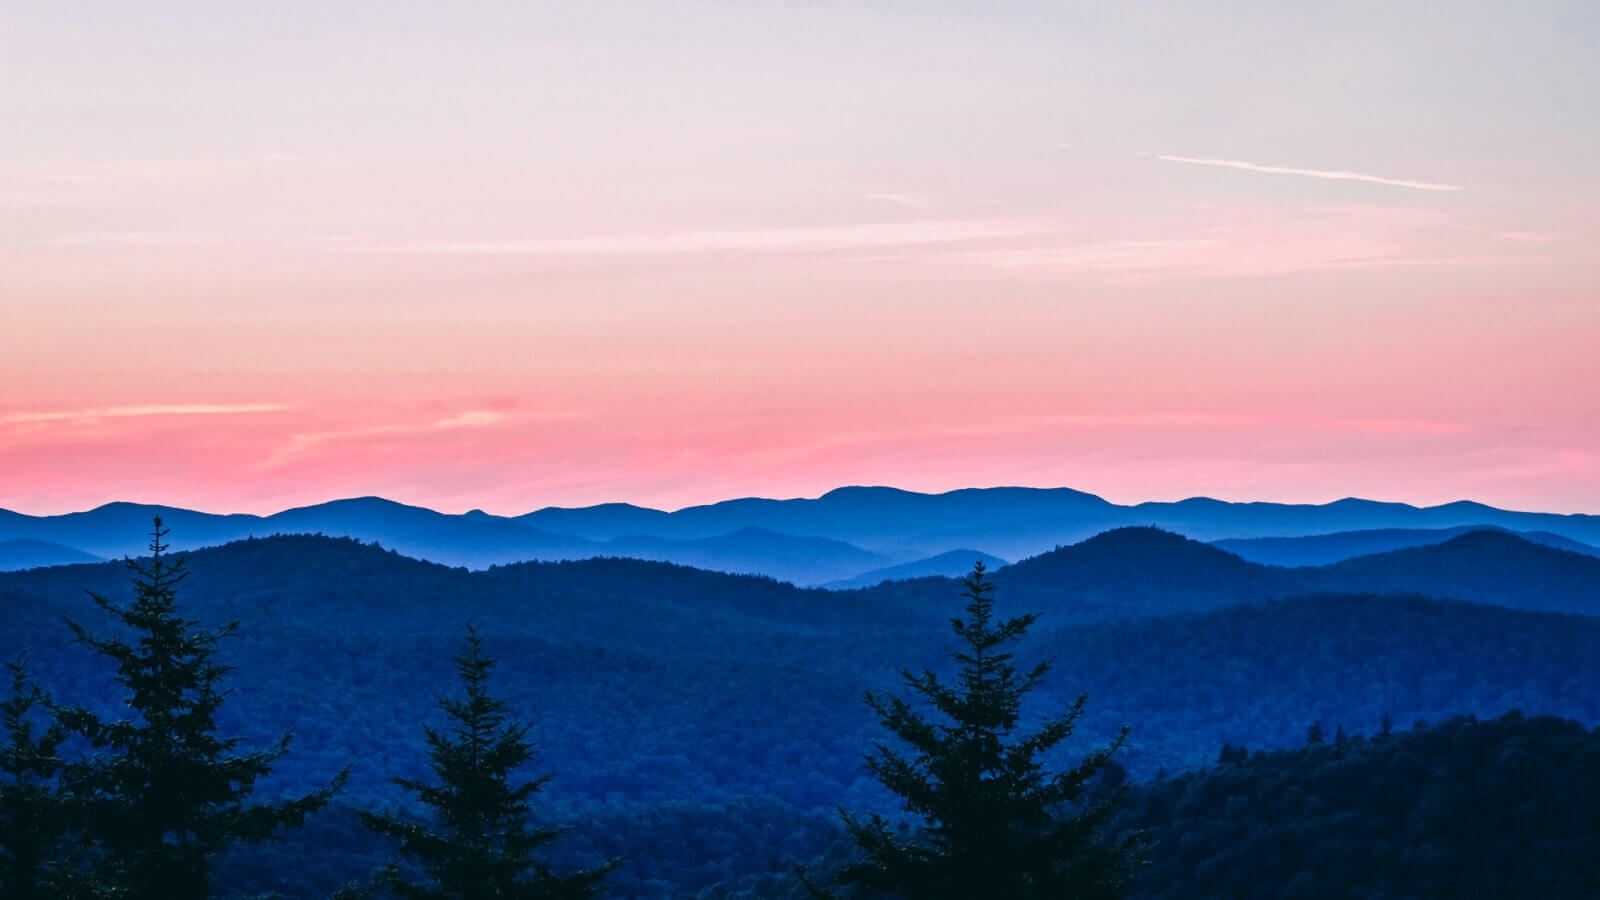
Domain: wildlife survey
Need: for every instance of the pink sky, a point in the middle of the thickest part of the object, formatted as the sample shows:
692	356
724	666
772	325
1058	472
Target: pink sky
517	258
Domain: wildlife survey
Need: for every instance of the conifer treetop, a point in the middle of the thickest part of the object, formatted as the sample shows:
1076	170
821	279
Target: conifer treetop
480	841
994	821
163	792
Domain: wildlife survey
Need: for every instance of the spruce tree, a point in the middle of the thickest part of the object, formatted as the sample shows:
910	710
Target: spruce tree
480	842
33	814
1314	733
162	793
995	822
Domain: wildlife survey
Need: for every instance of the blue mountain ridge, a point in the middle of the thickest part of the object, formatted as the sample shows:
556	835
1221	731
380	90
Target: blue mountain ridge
1322	549
27	553
840	536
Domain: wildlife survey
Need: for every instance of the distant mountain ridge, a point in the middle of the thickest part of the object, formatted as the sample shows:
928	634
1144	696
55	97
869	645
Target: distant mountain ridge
1140	572
1493	567
754	551
838	537
474	539
946	565
1016	522
27	553
1325	549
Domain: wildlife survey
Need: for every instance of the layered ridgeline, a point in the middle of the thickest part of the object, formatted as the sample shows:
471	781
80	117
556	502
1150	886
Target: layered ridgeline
28	553
704	727
849	537
1323	549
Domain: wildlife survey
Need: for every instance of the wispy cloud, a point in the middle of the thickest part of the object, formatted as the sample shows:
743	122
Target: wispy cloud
1526	237
909	201
1155	419
1328	174
1141	262
304	442
473	418
146	171
135	183
136	239
757	240
1391	426
1235	241
96	414
1101	256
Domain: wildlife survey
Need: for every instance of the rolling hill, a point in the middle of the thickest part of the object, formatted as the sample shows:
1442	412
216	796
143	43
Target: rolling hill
754	551
1481	566
1325	549
946	565
1141	571
26	553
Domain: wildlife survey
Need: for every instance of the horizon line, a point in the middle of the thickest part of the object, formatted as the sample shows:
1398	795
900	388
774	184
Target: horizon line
792	499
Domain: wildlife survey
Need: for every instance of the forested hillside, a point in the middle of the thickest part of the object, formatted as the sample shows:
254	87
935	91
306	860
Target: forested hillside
703	727
1142	571
1466	808
1462	808
1326	549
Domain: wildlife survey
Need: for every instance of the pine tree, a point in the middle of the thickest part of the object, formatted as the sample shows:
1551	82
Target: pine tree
163	793
1314	733
480	843
33	815
995	822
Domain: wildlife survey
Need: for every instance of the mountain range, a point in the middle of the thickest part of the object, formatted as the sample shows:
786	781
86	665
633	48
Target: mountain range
849	537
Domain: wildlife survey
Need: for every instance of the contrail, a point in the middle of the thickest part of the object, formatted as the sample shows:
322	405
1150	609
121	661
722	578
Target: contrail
1311	173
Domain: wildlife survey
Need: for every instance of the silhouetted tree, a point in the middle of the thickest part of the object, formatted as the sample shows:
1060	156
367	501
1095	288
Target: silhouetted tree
996	823
480	843
1314	733
33	816
164	793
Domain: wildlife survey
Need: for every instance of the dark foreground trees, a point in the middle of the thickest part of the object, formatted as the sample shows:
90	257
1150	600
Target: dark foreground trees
33	818
996	823
150	797
1465	808
480	842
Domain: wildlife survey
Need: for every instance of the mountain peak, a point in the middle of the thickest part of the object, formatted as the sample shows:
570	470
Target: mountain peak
1142	536
1499	539
123	507
369	505
856	491
1144	545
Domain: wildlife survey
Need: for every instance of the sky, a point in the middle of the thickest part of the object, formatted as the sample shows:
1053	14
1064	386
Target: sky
510	255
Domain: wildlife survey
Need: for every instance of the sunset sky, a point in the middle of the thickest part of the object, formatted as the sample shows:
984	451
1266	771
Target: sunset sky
510	255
